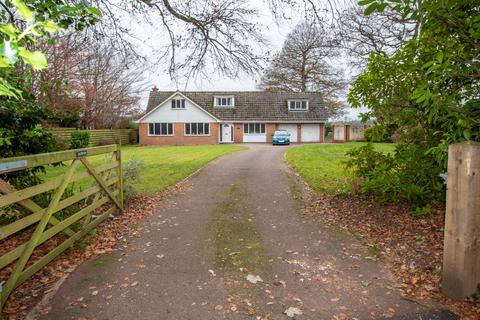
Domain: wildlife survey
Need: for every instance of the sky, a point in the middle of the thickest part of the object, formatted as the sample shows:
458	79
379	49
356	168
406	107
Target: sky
275	33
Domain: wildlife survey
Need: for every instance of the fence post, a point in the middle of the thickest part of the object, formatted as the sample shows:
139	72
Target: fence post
461	258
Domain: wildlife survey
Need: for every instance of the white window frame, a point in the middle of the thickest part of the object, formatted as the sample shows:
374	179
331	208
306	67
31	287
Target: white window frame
177	104
223	101
257	128
160	124
205	124
298	105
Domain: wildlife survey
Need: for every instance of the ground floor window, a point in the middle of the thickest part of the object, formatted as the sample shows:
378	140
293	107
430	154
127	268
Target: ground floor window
197	129
254	128
160	129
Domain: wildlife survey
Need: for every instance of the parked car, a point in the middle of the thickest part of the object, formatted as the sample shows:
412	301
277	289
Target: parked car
281	137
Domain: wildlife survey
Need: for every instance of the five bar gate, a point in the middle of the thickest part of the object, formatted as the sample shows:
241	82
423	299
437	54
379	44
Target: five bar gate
94	193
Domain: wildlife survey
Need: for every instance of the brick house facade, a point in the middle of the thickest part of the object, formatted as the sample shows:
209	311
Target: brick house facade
192	118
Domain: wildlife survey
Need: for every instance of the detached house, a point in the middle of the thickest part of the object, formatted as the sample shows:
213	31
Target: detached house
183	118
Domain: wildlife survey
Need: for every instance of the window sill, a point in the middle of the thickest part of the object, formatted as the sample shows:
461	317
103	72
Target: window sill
196	135
160	135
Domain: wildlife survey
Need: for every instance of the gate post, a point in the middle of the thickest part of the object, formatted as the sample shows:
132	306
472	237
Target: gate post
461	258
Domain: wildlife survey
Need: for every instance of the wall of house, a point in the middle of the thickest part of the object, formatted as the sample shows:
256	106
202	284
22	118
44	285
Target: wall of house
238	132
322	132
165	113
179	138
270	130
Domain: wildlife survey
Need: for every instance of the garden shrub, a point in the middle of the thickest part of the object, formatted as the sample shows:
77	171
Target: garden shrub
131	174
378	133
79	139
408	174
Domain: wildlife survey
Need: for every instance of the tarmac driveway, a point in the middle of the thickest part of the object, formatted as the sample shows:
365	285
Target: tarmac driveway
238	218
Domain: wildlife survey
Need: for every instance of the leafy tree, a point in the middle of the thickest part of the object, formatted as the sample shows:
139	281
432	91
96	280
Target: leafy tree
304	64
429	88
22	24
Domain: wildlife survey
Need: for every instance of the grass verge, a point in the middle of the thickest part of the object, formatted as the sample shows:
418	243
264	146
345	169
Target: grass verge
320	164
162	166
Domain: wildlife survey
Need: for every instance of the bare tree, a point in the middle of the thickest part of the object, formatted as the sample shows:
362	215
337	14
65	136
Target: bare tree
91	80
305	64
222	34
380	33
205	36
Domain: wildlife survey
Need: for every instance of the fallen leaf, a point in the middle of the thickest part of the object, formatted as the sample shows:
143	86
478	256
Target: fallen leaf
292	312
254	278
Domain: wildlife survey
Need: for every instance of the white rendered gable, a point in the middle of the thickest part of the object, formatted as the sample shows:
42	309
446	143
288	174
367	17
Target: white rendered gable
165	113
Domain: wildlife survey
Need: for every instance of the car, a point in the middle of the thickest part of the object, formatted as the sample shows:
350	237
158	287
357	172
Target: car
281	137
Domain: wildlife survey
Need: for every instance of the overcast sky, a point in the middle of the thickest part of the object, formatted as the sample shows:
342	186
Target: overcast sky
274	31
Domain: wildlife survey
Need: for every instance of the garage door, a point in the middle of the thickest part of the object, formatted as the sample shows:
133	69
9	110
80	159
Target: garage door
291	128
339	133
310	133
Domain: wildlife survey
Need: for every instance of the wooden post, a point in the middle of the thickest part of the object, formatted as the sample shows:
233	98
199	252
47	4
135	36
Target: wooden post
461	259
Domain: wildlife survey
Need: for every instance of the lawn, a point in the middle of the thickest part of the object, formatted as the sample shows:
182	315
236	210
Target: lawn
162	166
320	164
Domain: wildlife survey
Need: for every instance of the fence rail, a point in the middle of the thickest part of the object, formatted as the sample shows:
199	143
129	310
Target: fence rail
72	214
98	137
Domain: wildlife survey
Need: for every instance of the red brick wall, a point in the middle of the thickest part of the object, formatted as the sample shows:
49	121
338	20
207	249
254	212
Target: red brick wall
299	133
322	132
269	130
178	137
238	132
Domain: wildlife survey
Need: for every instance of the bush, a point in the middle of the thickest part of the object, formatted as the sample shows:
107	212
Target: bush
409	174
79	139
378	133
131	174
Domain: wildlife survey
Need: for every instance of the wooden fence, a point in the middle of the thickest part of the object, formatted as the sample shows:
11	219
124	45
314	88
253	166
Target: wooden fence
95	193
98	137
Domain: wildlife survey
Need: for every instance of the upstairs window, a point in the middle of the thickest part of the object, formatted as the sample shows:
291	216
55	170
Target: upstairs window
178	103
298	105
160	129
224	101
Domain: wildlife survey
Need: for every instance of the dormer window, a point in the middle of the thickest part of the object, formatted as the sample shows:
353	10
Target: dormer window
178	103
298	105
224	101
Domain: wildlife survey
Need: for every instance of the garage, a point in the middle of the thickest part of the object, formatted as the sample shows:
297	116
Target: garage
339	133
311	132
291	128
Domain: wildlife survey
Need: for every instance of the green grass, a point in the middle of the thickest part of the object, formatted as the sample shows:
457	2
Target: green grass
320	165
162	166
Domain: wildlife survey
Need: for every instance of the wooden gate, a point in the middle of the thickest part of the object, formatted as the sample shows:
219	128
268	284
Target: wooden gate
93	194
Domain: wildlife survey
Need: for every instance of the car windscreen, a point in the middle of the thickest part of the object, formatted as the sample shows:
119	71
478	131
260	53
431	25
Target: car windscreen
281	133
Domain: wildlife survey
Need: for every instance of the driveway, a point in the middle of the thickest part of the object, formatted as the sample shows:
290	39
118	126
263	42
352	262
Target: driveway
239	217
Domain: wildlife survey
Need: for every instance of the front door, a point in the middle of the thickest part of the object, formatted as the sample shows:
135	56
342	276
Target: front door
226	133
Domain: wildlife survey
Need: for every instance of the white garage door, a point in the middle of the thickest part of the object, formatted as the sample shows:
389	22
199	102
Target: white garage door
339	133
310	133
291	128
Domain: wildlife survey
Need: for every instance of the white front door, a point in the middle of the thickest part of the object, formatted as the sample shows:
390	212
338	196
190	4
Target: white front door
226	133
